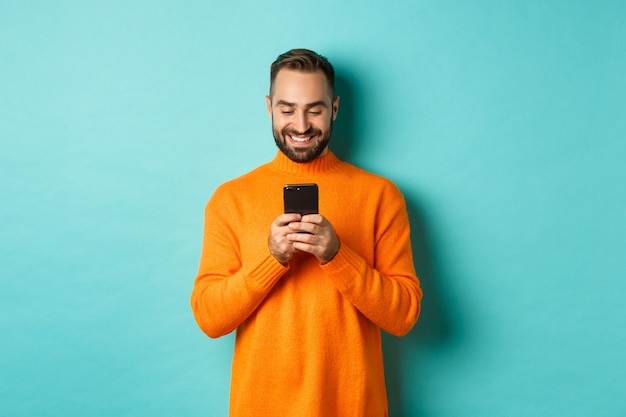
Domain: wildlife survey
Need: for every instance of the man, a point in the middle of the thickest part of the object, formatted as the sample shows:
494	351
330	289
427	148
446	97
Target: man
307	307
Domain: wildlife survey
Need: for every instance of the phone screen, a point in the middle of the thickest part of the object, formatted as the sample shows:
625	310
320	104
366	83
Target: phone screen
301	198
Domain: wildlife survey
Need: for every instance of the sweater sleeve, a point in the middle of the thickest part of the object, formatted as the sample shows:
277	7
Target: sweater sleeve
226	292
387	293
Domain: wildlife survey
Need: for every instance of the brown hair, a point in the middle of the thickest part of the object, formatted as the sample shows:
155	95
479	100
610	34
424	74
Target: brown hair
306	61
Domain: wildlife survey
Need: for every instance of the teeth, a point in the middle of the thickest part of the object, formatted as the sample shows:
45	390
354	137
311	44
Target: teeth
301	139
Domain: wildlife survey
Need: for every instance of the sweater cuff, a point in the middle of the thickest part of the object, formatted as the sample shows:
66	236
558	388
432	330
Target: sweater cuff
262	272
344	267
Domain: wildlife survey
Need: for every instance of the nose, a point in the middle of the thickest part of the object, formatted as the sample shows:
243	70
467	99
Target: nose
301	124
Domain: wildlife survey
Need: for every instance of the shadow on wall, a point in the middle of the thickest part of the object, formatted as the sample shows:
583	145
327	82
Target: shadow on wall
434	327
345	134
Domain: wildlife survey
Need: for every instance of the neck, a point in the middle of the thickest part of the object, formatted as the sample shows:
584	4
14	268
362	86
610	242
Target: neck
324	163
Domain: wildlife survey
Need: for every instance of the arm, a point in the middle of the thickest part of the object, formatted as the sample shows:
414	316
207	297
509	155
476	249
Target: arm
391	301
387	292
227	290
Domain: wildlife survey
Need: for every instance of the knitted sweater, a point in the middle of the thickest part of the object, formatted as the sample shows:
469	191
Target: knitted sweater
308	339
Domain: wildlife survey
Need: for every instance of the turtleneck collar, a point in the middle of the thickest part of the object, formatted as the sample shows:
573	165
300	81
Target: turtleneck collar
323	164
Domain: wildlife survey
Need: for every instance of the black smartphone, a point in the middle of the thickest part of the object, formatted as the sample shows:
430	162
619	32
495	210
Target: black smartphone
301	198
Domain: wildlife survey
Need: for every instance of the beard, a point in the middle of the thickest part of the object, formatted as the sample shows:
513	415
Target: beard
303	154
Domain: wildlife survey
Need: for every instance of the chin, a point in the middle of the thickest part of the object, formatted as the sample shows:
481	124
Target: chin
301	155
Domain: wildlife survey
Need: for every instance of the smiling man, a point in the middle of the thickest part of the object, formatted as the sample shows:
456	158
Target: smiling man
307	308
302	106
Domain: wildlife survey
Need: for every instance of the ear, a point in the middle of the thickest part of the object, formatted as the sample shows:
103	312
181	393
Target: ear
268	103
335	107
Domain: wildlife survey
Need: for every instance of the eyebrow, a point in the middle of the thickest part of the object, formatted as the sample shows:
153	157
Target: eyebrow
308	105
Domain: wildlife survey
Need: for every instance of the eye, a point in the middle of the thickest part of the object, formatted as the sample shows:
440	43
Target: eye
287	112
315	112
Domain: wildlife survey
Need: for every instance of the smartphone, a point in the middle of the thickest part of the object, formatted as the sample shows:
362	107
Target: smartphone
301	198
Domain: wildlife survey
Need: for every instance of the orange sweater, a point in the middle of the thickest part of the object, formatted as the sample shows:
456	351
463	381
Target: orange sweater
308	339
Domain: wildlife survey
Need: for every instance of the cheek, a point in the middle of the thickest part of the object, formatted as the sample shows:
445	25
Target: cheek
277	122
325	124
278	125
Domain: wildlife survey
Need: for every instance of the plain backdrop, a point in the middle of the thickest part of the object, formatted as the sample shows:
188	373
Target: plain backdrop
503	123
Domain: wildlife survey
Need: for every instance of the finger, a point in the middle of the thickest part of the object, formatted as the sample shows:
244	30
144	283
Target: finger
308	238
285	219
303	227
306	247
313	218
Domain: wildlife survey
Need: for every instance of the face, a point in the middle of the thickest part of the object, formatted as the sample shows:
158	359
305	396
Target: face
302	112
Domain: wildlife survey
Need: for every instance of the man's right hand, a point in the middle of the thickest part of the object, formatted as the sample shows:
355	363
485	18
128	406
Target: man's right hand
282	248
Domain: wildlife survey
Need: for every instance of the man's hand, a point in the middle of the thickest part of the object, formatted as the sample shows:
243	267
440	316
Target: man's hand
280	246
319	237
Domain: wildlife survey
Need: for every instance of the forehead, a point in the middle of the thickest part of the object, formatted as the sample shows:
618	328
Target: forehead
300	87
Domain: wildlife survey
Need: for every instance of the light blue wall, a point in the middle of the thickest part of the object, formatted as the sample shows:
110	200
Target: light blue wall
503	122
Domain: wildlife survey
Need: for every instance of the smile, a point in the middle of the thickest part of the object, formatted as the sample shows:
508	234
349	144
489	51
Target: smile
300	139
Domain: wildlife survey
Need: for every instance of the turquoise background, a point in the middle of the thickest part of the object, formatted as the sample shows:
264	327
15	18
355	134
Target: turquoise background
503	122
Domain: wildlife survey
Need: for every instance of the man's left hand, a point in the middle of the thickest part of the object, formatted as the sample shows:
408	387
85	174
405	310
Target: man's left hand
319	237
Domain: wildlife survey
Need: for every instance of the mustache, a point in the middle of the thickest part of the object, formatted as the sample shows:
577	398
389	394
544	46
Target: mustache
309	132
